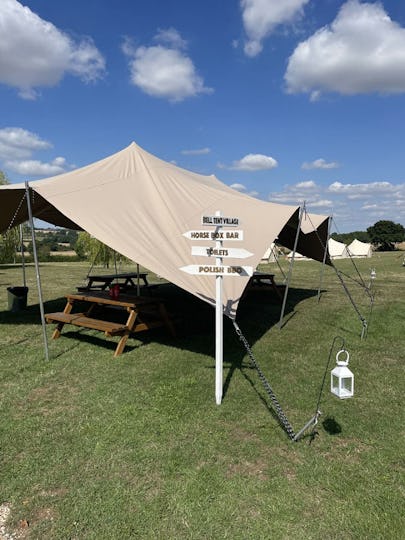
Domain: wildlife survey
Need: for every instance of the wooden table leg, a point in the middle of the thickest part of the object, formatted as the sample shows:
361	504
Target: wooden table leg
130	324
59	327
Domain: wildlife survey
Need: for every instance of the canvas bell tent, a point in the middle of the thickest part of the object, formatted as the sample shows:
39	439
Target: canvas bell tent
271	254
360	249
297	256
337	250
141	206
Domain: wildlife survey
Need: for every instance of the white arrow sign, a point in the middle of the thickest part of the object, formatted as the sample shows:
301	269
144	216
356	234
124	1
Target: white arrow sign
235	235
235	253
220	221
212	270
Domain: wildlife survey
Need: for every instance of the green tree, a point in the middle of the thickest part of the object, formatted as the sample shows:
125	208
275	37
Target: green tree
347	238
385	234
88	247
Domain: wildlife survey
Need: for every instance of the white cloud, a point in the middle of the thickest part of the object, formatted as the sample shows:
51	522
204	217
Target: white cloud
261	17
172	37
238	187
322	203
18	143
33	167
320	164
362	51
34	53
308	184
254	162
243	189
353	206
358	191
164	71
307	191
197	152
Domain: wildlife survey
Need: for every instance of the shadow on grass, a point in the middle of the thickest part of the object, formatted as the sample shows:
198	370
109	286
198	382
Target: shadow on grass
194	321
331	426
195	326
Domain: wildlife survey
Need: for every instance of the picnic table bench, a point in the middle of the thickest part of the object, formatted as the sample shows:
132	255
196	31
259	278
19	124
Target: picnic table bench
144	313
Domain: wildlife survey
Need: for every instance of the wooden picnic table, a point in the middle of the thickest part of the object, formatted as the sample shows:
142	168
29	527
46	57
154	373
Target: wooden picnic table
125	280
261	281
144	313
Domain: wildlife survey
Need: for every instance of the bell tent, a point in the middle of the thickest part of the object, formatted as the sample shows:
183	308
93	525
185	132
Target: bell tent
360	249
337	250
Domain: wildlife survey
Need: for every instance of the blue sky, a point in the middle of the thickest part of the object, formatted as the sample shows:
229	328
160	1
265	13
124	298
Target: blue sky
292	101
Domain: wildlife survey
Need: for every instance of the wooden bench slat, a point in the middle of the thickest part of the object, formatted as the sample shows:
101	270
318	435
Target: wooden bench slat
80	319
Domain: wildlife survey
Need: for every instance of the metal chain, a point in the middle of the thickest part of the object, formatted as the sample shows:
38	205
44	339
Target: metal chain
11	224
279	411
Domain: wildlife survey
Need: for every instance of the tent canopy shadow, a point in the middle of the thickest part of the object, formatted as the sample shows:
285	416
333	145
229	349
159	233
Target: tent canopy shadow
194	321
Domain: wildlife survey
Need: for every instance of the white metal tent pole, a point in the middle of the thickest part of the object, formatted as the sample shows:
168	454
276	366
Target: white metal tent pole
22	255
302	210
34	251
324	259
218	327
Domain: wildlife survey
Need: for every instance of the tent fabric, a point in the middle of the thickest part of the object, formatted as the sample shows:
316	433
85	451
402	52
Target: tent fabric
312	237
337	250
360	249
141	206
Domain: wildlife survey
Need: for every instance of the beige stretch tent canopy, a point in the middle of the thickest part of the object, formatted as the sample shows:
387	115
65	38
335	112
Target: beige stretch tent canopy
140	206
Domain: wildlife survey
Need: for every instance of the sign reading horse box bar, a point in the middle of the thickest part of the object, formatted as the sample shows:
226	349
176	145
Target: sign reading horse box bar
212	270
235	235
220	221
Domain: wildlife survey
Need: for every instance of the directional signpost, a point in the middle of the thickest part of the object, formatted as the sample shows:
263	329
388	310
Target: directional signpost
218	252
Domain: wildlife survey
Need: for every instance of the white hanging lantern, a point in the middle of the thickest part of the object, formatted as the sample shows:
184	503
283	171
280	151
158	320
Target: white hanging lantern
373	274
341	378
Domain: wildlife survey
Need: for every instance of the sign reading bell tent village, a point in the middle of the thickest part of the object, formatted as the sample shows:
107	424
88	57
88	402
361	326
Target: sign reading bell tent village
220	221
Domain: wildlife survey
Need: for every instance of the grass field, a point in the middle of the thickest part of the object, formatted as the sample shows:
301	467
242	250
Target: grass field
93	447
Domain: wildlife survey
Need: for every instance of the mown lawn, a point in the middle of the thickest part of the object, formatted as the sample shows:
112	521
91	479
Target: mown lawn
93	447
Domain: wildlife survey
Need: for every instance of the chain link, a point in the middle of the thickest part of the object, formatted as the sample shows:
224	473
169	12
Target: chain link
11	224
279	411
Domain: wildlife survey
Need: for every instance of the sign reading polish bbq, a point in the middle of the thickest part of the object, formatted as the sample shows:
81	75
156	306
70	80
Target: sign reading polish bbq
212	270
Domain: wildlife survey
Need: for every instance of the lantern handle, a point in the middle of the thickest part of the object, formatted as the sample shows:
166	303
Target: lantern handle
344	362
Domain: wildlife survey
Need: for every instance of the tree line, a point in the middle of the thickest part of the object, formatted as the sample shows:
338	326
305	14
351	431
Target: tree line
384	235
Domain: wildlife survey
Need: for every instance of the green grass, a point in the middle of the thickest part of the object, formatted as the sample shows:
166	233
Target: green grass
93	447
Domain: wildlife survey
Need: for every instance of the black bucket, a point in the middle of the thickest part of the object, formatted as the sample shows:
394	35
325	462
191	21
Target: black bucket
17	298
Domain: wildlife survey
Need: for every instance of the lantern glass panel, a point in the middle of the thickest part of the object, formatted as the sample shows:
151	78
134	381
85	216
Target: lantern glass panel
335	384
347	385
